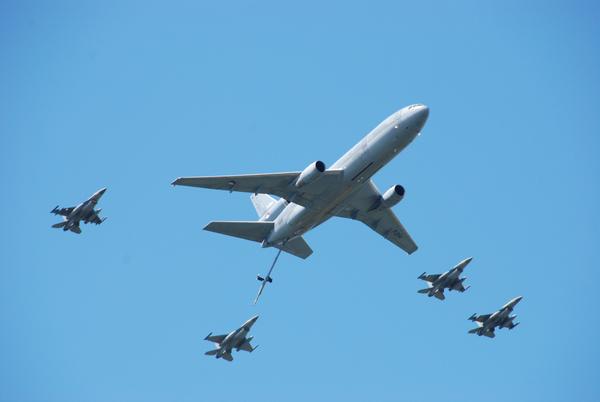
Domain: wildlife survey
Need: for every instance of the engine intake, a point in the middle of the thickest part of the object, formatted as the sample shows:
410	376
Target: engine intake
393	196
310	174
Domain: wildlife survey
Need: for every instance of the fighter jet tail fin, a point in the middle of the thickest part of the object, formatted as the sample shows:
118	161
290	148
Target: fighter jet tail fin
254	231
439	295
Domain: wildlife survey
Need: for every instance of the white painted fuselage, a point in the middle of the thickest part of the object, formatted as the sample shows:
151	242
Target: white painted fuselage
358	165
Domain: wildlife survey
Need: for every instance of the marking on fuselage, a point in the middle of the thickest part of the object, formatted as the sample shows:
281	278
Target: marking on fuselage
362	171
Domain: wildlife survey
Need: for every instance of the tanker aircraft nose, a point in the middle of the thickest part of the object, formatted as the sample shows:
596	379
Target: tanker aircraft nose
418	115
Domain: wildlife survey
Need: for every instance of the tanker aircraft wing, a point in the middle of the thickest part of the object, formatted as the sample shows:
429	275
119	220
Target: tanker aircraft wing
284	184
363	206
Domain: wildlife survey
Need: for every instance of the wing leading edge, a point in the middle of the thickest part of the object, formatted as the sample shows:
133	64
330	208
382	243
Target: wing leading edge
280	184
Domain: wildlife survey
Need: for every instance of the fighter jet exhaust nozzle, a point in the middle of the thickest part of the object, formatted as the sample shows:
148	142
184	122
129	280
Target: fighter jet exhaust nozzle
310	174
393	196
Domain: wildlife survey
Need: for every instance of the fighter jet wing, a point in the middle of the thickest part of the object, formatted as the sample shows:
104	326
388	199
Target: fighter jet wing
430	277
482	317
62	211
280	184
383	221
215	338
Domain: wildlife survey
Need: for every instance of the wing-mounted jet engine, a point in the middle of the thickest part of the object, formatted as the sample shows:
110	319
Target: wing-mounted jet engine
390	198
311	174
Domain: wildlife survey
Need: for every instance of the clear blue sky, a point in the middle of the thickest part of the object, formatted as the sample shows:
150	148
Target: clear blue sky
130	95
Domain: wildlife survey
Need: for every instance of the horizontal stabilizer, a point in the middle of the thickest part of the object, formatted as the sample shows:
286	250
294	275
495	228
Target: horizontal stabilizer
212	352
474	331
423	290
255	231
297	247
439	295
59	224
246	346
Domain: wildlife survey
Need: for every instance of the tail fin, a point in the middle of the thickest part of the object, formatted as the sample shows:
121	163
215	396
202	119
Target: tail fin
262	203
255	231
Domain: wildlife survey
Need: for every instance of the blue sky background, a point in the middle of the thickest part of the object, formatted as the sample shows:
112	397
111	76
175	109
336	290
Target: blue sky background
130	95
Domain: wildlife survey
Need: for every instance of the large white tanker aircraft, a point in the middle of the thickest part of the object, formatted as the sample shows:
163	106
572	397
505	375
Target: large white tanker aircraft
312	196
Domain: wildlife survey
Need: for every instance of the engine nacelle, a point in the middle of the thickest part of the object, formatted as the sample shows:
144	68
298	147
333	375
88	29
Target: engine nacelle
310	174
393	196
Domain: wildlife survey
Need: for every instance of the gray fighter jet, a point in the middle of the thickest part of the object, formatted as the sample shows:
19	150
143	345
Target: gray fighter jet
234	340
450	280
83	212
502	318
